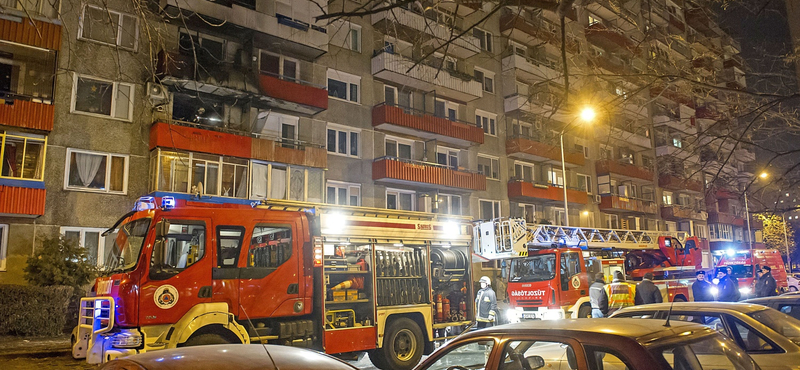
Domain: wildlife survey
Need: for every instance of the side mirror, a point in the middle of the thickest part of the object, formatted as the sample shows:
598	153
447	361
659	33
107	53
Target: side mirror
535	362
162	228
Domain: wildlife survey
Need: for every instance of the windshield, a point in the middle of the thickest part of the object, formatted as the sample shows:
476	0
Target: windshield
780	322
741	271
709	352
125	252
536	268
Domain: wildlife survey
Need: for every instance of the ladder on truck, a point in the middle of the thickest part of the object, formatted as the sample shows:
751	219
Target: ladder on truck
511	237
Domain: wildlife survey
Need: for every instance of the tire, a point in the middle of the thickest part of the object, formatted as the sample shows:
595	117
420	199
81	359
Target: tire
204	339
792	288
585	312
402	346
679	299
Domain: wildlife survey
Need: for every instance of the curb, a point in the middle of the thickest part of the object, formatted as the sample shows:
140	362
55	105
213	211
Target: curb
37	354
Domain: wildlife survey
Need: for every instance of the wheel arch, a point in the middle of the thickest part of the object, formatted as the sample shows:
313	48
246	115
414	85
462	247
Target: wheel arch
206	318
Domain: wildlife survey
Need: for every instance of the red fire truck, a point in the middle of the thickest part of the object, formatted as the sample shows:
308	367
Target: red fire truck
339	279
550	266
745	270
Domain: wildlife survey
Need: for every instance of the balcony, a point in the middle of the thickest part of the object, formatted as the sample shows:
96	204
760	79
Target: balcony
437	34
708	112
407	172
679	213
539	149
724	218
290	152
670	182
608	166
638	138
273	32
734	78
424	125
26	114
707	63
670	150
526	192
672	94
614	65
22	198
309	97
31	32
676	24
700	19
609	38
744	154
733	61
539	103
614	203
531	70
396	68
521	29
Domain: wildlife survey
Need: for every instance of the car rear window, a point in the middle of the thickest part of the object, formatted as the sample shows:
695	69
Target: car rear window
782	323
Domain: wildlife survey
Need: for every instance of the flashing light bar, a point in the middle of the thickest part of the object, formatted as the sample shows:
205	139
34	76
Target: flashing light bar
144	204
168	202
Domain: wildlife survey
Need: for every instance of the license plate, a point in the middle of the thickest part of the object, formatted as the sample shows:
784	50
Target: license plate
527	315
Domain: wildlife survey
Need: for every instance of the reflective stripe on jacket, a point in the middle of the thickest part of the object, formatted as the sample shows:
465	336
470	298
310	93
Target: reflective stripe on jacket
620	295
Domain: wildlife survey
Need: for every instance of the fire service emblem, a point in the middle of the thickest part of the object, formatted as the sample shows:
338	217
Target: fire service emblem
166	296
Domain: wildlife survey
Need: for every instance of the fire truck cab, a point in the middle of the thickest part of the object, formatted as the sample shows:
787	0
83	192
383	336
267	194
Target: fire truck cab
339	279
741	263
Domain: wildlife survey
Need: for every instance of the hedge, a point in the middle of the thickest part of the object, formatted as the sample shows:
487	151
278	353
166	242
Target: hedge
32	310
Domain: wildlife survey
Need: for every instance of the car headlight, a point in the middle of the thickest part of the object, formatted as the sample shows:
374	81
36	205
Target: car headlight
513	315
126	340
745	290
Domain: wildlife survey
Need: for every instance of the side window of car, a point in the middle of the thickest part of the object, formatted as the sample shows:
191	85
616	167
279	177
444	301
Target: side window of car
637	315
529	354
792	310
748	338
605	359
712	321
471	355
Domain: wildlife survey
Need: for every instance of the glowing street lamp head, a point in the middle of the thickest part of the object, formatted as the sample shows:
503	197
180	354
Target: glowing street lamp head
588	114
763	175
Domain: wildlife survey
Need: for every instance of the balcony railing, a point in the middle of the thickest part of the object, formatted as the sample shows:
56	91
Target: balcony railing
404	171
32	32
676	183
523	191
609	38
463	47
724	218
396	68
621	168
400	119
676	212
294	90
610	202
26	113
21	201
542	148
511	22
533	70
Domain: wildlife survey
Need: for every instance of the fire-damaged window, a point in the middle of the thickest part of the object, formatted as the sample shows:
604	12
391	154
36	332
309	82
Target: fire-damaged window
183	246
206	48
270	246
205	111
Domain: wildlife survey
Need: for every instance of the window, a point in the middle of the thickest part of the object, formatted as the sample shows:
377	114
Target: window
484	37
447	157
229	244
270	246
489	167
585	183
208	49
109	27
523	171
98	247
3	246
605	153
345	35
445	109
582	149
279	66
602	358
612	221
490	209
527	212
666	197
555	177
23	156
749	339
486	78
792	310
519	354
486	121
343	193
479	350
676	142
182	247
400	199
450	204
343	140
102	97
344	86
394	97
399	148
94	171
286	182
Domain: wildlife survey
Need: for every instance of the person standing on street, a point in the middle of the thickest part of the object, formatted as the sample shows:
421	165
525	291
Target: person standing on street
620	293
726	291
701	289
647	292
598	297
735	282
485	304
766	286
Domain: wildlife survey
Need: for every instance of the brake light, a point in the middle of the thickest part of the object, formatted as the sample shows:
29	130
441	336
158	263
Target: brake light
317	251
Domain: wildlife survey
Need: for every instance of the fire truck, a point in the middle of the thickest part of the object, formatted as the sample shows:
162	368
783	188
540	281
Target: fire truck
339	279
549	266
741	262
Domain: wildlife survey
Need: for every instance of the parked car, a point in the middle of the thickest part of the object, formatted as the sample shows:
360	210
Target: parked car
788	303
771	338
230	356
794	283
590	344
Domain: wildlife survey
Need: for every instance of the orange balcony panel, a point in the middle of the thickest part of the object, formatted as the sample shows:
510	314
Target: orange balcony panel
676	183
610	166
269	150
306	95
21	201
26	114
386	114
31	32
391	169
620	204
195	139
541	151
524	191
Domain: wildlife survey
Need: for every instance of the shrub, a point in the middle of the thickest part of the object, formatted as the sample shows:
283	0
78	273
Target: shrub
60	261
32	310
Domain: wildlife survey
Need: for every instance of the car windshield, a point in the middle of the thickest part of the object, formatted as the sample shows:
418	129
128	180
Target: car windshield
125	252
535	268
708	352
780	322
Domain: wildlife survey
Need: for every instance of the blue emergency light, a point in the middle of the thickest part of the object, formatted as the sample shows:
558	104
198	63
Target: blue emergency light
167	202
144	204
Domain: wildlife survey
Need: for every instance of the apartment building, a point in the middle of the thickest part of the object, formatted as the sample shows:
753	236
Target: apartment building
239	100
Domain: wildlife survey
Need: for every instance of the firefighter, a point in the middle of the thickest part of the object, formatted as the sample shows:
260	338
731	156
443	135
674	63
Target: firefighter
701	288
485	304
647	292
620	293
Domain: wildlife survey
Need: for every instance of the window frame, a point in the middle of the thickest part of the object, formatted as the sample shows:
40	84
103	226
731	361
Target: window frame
349	140
349	80
115	90
588	180
519	175
449	154
109	156
450	198
396	192
101	242
42	140
492	161
338	185
490	128
281	60
496	205
485	39
397	142
486	76
448	106
116	43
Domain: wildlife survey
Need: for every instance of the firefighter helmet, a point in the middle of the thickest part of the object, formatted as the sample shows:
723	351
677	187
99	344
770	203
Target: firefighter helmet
485	279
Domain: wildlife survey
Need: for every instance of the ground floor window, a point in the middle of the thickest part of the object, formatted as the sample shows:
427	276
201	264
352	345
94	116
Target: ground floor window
490	209
401	199
343	193
98	247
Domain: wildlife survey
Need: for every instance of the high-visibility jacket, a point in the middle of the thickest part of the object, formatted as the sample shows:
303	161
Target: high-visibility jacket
620	294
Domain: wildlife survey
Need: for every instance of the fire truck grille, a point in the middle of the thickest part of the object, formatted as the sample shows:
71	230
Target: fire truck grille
530	302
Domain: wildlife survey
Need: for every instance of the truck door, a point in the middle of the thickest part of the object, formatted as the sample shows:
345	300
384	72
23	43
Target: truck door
225	273
574	283
270	280
179	272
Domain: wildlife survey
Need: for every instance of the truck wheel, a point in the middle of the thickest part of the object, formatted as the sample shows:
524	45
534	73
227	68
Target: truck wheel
402	345
585	312
203	339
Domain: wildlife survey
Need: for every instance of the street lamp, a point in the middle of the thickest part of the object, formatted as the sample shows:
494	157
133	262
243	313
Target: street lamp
587	114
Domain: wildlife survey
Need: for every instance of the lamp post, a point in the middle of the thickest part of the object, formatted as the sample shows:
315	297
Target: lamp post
786	242
587	115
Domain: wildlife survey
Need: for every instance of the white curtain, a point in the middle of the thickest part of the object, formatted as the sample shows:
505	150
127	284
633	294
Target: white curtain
259	190
87	164
241	176
278	183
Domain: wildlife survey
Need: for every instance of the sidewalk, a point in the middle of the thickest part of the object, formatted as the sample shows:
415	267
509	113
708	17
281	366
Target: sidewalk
12	346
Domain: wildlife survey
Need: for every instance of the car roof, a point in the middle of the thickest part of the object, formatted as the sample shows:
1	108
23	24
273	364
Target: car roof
745	308
238	356
648	332
777	298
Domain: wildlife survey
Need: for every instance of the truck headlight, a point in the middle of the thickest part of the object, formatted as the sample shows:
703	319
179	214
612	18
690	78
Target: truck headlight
714	291
513	315
745	290
126	340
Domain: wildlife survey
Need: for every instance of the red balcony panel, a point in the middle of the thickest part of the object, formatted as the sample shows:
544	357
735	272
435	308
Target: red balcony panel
269	150
26	114
543	150
524	191
388	168
621	204
22	202
307	95
383	114
172	136
31	32
676	183
607	38
610	166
